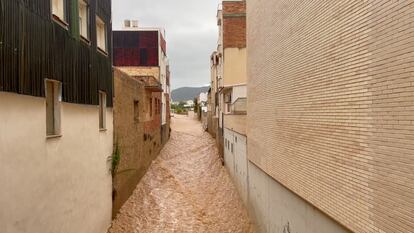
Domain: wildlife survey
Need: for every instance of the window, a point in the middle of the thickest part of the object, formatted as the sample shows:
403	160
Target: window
84	19
150	107
143	57
59	10
53	98
100	34
102	110
156	106
136	111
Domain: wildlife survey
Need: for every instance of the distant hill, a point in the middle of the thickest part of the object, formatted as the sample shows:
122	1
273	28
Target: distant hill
187	93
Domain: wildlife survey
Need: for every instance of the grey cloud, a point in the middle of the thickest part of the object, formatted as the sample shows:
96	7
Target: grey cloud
191	33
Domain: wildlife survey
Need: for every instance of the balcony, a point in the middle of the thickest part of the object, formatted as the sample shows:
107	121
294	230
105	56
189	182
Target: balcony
150	82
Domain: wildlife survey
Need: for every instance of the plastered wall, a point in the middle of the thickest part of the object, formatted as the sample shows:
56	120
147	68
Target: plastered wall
234	66
53	185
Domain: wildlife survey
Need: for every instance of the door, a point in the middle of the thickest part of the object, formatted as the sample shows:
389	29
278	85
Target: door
241	164
229	151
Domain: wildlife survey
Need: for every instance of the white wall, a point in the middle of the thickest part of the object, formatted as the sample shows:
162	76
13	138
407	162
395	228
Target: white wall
236	160
53	185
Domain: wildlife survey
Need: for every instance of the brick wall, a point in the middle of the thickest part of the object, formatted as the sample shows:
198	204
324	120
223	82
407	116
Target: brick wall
234	24
331	106
234	7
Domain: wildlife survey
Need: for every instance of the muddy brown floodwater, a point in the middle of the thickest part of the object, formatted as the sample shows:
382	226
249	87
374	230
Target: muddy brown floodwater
186	189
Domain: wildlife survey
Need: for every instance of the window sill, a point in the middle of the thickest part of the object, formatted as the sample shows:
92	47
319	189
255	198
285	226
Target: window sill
60	21
53	136
85	40
103	52
103	130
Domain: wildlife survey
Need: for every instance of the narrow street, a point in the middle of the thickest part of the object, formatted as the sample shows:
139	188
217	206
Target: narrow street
185	190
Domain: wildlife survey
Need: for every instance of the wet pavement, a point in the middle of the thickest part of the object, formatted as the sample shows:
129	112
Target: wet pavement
186	189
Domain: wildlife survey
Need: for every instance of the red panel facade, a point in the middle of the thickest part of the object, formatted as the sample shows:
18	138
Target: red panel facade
135	48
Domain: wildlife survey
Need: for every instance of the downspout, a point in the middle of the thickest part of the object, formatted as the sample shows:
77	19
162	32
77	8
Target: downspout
1	37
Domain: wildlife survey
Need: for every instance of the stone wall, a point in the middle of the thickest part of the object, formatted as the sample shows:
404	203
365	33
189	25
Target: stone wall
142	71
137	134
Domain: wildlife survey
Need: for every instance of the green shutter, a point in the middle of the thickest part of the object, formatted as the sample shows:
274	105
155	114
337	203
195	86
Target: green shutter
75	19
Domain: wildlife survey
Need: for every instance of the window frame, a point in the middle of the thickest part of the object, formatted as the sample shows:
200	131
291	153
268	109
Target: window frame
136	111
56	105
100	21
102	110
151	108
88	21
62	21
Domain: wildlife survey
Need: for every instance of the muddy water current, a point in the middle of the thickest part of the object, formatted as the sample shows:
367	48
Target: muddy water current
186	189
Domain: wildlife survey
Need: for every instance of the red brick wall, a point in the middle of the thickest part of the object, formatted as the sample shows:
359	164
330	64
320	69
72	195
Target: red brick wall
234	7
234	24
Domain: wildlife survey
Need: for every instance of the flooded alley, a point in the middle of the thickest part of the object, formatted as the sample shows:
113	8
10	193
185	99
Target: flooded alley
186	189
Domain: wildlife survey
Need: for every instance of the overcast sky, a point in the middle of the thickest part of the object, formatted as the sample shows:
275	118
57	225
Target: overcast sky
191	33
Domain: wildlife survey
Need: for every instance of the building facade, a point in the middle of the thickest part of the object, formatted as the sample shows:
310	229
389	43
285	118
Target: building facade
331	112
213	110
137	111
228	74
56	132
227	108
142	52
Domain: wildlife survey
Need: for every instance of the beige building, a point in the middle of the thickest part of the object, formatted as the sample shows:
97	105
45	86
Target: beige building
228	73
331	112
227	108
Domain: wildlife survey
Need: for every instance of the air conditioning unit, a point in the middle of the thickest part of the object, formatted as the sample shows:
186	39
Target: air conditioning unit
130	23
127	23
134	23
